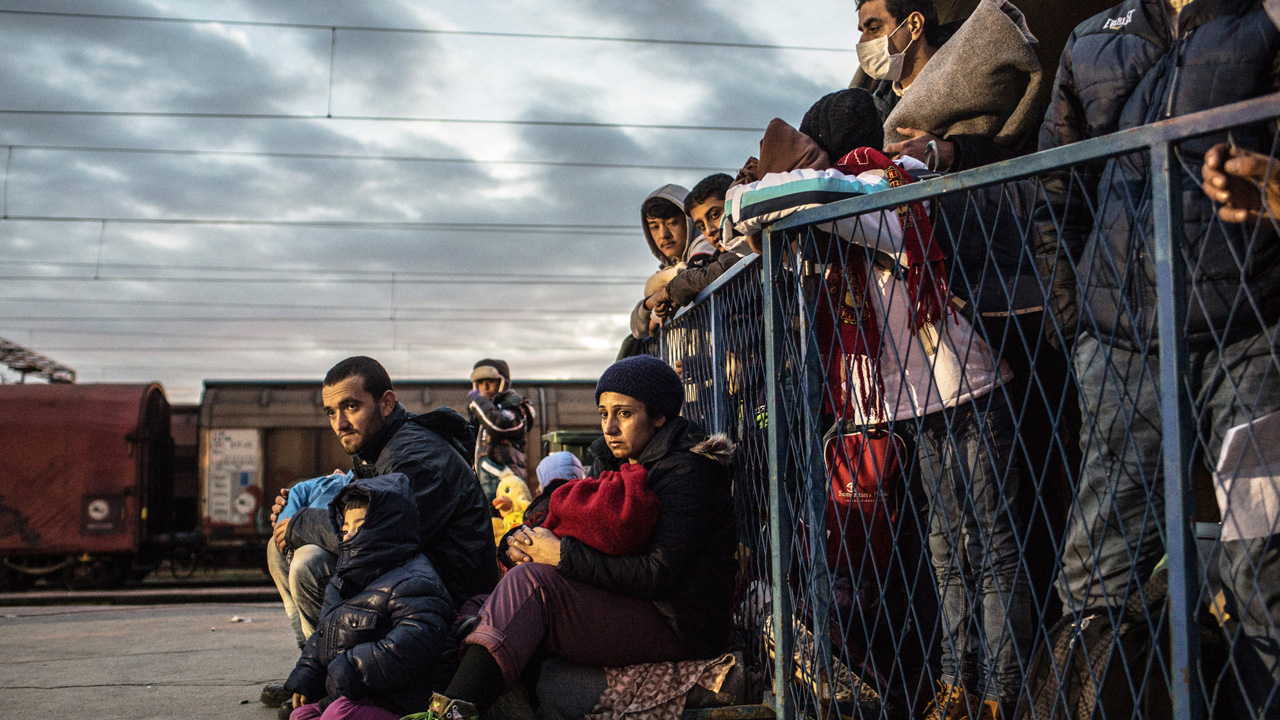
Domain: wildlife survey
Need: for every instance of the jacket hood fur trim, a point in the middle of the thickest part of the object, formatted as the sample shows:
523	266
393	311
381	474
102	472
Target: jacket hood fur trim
718	448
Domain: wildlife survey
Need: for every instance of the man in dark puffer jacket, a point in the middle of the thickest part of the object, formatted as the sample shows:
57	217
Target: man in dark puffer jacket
432	449
385	635
1138	63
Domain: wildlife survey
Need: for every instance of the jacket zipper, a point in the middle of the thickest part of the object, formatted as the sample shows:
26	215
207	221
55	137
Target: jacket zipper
1140	276
1179	44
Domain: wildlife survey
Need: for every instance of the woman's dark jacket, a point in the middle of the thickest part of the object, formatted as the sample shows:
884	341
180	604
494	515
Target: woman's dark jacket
386	628
456	535
1122	69
688	567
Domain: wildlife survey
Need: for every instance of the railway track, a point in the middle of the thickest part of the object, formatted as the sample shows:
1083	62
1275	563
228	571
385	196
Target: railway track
151	593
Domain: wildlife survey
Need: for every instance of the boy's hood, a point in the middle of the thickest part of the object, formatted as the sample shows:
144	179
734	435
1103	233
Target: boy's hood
697	243
389	537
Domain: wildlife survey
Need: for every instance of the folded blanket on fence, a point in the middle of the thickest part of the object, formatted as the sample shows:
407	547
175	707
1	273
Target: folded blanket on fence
752	206
614	513
657	691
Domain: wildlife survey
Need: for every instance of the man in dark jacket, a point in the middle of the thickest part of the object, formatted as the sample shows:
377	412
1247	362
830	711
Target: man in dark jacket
1140	62
385	635
432	450
501	418
671	601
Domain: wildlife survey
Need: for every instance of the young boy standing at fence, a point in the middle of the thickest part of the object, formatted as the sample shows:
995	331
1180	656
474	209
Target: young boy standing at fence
705	206
672	241
895	355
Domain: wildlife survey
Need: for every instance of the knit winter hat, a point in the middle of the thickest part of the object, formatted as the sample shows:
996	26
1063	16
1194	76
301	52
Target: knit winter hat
647	379
844	121
562	465
492	369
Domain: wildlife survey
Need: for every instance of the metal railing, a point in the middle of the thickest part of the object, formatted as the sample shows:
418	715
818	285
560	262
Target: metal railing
1030	531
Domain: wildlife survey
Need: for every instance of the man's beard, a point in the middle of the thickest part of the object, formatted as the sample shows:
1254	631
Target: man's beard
368	436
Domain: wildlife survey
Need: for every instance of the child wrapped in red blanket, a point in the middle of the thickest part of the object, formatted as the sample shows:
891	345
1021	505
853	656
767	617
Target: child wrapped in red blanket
614	513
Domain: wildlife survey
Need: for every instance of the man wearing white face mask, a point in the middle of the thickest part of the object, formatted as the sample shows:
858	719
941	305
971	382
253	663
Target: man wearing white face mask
956	96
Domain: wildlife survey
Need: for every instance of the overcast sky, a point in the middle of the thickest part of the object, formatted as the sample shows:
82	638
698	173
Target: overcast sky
257	196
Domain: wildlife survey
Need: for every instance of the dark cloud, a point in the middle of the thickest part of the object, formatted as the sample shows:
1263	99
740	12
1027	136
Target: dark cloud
146	328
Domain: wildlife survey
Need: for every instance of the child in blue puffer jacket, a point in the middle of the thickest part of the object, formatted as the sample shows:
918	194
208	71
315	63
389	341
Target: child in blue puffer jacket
385	638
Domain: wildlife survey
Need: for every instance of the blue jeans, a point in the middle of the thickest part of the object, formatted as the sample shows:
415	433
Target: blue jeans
301	579
965	468
1113	537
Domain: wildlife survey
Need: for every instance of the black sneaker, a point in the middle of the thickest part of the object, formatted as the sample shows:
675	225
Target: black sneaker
274	695
285	711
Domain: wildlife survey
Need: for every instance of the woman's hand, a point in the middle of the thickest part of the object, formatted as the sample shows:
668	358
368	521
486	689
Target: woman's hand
514	553
539	545
299	700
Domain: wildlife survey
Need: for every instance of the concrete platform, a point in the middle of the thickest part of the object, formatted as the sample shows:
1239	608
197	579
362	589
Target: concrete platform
141	662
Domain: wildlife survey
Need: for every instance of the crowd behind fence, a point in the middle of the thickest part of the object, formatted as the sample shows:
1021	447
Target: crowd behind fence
1054	490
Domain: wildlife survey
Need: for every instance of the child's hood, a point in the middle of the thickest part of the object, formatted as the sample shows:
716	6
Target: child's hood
390	534
696	245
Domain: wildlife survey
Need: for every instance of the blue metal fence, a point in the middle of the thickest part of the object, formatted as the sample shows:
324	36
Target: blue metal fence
1054	568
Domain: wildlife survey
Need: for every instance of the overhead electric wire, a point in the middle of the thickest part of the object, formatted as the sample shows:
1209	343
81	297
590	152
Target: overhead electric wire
121	333
275	319
358	157
509	312
379	118
504	280
536	228
390	274
408	347
429	31
279	306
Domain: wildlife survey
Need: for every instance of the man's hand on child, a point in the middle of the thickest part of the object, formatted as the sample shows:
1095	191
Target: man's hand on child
278	534
279	504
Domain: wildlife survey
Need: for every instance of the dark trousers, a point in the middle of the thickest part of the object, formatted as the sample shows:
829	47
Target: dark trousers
535	607
1114	536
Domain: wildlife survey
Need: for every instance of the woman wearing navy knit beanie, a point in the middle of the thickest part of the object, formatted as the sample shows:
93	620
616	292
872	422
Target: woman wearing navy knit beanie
672	601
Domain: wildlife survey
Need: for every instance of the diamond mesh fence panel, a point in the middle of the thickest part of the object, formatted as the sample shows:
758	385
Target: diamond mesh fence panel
717	346
1009	446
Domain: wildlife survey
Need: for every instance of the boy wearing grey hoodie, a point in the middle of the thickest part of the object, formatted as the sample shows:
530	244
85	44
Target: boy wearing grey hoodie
672	240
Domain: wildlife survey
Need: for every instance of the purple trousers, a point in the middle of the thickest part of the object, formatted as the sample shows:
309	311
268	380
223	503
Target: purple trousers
343	709
535	607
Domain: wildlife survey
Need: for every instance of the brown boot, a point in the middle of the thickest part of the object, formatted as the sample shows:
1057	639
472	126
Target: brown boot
990	710
952	703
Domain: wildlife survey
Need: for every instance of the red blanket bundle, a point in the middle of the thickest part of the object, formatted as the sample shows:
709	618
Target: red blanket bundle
614	513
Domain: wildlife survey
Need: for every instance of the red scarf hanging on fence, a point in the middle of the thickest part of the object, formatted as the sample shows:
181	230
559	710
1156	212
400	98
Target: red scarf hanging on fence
851	334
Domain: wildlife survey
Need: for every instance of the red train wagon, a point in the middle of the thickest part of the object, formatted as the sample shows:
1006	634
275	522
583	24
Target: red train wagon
86	482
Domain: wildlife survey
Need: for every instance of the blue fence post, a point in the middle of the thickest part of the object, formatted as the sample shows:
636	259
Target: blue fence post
775	330
1178	425
718	356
